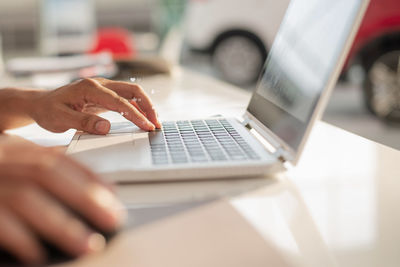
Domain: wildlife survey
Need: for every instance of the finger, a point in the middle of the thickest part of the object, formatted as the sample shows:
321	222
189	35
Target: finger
86	172
33	159
137	107
16	239
136	92
98	94
89	123
93	109
61	228
147	109
145	104
89	198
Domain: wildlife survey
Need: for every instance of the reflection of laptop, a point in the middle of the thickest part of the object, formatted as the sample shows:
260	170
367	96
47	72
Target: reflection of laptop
302	67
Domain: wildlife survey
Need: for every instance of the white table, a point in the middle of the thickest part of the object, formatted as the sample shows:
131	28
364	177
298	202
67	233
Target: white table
338	207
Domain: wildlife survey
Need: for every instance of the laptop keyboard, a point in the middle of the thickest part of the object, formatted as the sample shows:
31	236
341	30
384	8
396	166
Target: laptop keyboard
198	141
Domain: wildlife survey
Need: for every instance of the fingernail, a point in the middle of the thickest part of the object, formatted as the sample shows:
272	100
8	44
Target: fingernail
102	127
96	242
158	121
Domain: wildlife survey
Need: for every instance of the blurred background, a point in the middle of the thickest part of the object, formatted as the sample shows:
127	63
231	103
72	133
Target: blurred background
47	43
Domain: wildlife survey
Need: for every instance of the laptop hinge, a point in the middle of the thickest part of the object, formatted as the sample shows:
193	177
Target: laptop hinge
268	140
246	123
280	154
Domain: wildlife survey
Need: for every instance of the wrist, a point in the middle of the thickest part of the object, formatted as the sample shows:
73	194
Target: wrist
17	107
24	102
30	100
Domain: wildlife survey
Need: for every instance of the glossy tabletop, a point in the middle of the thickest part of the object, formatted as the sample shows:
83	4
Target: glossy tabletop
337	207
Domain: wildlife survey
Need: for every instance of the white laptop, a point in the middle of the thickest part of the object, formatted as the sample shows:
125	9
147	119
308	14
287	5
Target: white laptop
302	67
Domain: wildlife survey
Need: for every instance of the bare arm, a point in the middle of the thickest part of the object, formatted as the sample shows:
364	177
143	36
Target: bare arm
72	106
15	107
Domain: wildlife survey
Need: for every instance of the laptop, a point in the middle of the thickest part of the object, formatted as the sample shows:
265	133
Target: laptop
302	67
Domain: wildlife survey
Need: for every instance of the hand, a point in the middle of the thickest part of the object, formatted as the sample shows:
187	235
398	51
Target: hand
40	191
72	106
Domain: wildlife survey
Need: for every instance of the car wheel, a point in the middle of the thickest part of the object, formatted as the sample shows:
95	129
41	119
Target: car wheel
239	59
382	86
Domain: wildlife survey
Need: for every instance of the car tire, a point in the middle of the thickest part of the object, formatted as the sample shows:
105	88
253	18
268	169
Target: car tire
382	86
239	58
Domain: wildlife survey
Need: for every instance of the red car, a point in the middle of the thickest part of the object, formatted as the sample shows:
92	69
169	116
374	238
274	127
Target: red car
377	49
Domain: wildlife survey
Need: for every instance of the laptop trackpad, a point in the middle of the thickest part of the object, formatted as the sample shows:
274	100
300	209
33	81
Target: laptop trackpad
113	152
123	127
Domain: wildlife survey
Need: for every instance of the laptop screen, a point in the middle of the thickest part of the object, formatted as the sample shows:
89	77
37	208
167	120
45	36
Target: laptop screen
303	58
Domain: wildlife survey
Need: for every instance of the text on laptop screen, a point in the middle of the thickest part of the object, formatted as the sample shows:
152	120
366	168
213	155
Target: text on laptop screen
300	63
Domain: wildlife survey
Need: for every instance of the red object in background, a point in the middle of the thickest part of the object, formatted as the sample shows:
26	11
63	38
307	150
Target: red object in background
382	20
117	41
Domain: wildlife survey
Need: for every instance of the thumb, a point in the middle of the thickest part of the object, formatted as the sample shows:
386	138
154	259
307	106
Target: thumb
90	123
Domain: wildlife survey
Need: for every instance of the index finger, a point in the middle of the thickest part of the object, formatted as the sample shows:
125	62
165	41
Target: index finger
97	93
135	92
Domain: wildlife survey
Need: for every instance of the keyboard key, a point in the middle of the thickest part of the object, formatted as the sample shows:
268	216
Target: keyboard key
156	162
156	137
199	159
175	143
253	156
219	158
175	136
237	157
177	150
196	151
178	157
159	153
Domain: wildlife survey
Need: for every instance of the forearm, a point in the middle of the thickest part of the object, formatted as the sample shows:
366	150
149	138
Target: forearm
16	107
